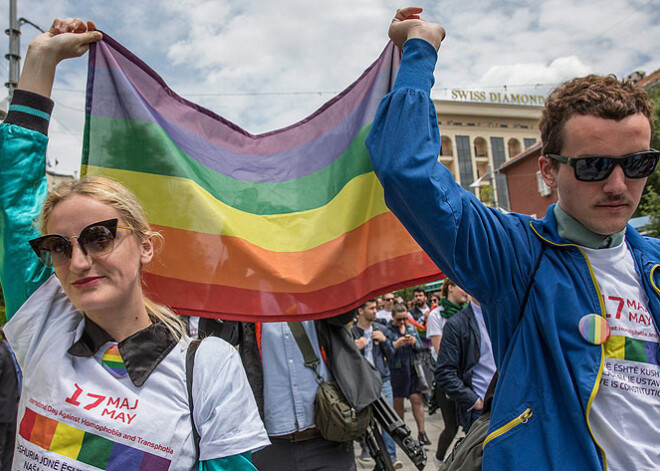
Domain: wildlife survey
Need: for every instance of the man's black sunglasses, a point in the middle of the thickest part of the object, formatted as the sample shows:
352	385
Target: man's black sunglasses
597	168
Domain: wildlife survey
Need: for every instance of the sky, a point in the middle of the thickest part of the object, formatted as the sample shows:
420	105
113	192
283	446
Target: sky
266	64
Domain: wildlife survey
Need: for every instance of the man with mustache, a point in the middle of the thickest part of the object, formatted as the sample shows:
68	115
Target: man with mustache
571	300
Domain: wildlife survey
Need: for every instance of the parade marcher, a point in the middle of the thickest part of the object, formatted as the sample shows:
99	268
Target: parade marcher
420	308
466	365
571	300
285	390
371	340
384	315
104	367
10	377
405	384
453	300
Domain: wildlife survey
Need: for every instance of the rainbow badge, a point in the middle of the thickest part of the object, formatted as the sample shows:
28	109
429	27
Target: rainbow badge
594	329
113	362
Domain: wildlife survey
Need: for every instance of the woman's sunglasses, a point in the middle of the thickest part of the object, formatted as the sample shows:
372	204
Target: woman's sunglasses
597	168
96	239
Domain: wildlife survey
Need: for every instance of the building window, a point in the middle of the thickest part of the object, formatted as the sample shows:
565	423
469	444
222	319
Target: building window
480	147
499	157
528	142
463	152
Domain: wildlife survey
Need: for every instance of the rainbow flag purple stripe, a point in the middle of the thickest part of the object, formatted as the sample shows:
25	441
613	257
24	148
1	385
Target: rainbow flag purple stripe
86	447
287	225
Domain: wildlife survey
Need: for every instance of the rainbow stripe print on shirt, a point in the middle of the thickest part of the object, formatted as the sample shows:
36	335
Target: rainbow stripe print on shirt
86	447
113	362
626	348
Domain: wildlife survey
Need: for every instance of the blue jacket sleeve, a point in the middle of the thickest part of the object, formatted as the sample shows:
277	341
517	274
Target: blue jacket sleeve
483	250
23	189
230	463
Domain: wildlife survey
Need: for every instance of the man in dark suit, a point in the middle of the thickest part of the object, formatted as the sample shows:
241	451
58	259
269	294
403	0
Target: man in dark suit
466	364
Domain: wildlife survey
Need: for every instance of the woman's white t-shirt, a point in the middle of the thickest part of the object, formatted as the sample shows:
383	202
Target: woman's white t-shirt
75	415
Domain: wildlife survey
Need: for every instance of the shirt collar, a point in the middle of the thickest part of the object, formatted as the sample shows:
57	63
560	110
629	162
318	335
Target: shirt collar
571	229
141	352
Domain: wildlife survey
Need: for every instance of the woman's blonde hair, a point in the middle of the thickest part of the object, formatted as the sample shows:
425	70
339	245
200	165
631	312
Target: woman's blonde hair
113	193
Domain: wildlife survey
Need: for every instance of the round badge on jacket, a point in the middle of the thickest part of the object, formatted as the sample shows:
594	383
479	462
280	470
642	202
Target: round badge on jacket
594	329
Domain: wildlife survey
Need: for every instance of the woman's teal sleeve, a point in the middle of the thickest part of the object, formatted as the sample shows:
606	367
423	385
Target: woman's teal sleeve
23	188
230	463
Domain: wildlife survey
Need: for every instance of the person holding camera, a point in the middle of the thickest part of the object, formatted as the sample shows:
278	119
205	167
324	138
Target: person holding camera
405	384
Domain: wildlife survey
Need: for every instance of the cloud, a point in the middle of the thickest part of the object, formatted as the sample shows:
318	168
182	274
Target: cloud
265	65
530	77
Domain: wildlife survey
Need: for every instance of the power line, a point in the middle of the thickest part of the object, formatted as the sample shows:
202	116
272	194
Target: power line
325	92
611	27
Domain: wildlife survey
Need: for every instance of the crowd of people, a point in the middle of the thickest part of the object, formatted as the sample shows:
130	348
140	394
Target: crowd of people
561	307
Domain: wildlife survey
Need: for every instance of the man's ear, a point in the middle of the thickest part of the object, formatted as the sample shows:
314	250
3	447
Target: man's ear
548	172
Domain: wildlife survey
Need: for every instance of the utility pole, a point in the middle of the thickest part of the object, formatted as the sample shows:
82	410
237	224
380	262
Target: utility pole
14	55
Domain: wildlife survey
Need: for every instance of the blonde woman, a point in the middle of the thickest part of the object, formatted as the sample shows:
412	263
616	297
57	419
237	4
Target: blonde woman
104	367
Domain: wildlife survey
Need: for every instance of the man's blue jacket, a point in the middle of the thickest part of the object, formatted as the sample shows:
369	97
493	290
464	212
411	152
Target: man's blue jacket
548	374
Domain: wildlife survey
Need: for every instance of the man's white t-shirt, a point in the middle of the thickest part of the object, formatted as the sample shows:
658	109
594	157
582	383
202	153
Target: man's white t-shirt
435	325
625	415
384	315
74	415
369	347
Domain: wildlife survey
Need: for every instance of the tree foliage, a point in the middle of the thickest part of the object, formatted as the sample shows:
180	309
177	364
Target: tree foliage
650	203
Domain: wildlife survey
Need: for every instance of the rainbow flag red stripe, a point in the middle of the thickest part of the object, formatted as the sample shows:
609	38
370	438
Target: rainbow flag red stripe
286	225
86	447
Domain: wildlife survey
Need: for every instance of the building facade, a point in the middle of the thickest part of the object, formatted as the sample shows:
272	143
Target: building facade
479	135
528	193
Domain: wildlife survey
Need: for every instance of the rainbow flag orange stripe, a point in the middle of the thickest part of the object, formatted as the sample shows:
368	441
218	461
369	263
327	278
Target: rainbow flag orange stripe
286	225
86	447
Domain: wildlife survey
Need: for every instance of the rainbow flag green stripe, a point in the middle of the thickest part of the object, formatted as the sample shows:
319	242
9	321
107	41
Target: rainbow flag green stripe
626	348
128	138
86	447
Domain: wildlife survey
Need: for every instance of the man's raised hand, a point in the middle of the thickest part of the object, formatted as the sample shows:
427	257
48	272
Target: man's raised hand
408	24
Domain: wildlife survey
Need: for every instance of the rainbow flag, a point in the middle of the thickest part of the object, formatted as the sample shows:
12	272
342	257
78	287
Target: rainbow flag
86	447
286	225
